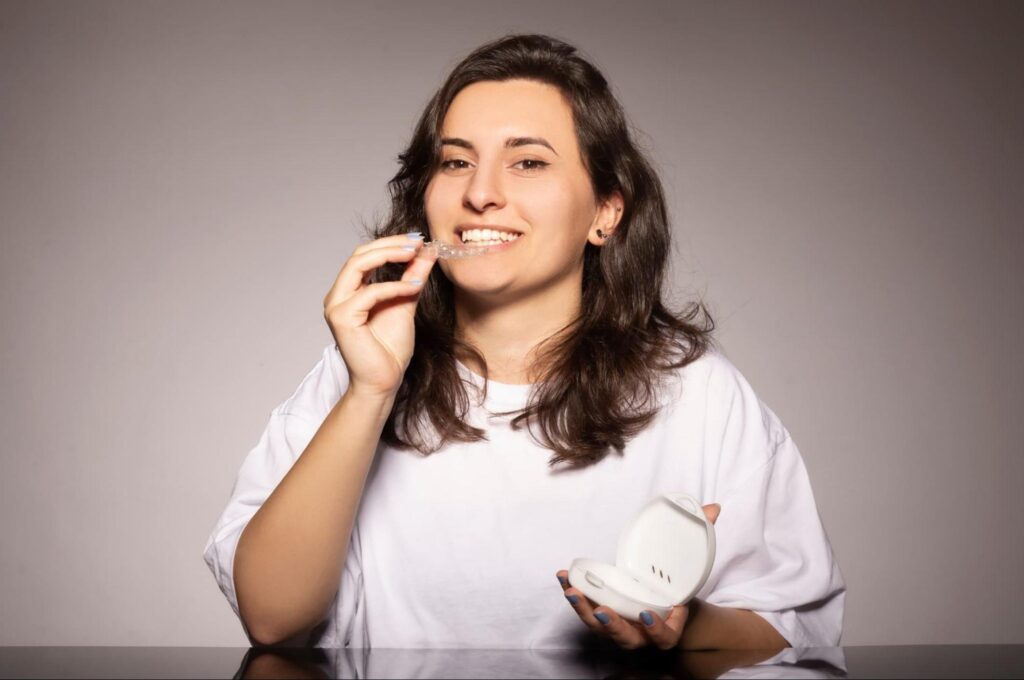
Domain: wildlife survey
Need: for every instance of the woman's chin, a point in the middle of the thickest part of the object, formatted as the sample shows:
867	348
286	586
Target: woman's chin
482	286
482	281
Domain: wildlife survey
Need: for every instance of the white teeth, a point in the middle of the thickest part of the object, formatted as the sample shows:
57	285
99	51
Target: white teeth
487	236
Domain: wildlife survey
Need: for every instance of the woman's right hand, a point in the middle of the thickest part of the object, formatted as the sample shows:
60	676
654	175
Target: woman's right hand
373	323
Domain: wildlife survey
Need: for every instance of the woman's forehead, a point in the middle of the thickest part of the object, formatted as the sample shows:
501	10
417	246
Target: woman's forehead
489	113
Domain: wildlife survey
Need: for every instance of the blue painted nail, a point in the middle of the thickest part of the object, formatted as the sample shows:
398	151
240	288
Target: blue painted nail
563	580
408	247
414	235
602	617
573	600
647	618
415	282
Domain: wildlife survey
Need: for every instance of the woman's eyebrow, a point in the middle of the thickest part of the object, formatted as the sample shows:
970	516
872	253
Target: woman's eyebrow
510	143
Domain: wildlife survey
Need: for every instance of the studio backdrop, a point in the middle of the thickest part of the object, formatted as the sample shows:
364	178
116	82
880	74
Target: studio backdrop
180	183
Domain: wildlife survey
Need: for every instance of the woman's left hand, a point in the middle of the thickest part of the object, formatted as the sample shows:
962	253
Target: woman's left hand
652	630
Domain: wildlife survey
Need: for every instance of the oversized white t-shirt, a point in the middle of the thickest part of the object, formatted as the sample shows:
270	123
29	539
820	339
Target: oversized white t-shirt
460	548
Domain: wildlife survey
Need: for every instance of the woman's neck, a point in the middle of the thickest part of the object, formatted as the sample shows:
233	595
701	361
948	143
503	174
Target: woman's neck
507	332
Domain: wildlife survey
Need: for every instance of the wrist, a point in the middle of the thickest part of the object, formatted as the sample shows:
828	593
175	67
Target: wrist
371	395
710	626
372	404
693	627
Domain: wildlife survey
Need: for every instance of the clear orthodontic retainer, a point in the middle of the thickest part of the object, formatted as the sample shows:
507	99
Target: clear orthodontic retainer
449	251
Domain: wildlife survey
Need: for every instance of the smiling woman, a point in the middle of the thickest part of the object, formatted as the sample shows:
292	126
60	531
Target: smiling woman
527	138
479	423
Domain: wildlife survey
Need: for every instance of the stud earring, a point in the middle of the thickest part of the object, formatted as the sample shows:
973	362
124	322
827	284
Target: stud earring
601	234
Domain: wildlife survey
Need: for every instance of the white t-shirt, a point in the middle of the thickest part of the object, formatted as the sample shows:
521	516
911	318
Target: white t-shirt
460	548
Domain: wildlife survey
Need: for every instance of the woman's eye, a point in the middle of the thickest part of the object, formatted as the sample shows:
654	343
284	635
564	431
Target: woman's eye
529	165
533	165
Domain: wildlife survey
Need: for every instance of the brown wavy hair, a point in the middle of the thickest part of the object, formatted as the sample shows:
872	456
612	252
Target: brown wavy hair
601	373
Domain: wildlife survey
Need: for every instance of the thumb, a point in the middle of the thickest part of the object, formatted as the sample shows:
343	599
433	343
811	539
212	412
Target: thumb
711	511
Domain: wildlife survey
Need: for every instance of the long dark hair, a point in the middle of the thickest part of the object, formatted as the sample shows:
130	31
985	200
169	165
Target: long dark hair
602	373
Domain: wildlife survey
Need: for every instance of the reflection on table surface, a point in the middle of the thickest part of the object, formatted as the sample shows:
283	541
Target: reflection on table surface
539	663
938	661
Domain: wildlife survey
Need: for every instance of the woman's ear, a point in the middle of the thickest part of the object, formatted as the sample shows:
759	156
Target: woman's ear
607	219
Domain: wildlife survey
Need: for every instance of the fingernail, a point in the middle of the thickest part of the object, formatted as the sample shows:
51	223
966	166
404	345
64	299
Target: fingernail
602	617
573	600
647	618
414	235
408	247
563	580
415	282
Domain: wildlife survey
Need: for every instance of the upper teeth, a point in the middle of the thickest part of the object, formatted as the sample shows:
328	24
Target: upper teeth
487	235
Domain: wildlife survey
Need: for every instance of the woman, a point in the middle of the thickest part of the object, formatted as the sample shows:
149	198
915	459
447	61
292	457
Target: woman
480	422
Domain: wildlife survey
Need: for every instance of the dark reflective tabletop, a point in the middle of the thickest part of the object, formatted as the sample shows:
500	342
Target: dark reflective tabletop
942	661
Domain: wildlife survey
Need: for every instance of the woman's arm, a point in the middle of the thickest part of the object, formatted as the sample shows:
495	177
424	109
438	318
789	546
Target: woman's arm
709	626
289	558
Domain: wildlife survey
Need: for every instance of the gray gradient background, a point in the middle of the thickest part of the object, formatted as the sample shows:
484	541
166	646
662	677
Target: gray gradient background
180	184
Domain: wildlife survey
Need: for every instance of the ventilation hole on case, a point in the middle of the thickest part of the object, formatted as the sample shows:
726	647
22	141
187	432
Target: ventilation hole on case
660	574
652	568
670	579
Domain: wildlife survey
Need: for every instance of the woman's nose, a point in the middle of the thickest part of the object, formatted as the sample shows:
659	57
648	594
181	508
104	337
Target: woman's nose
484	189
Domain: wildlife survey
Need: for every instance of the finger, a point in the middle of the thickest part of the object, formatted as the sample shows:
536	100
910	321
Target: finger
413	239
585	610
386	241
661	635
678	617
421	265
623	632
712	511
352	274
563	579
355	311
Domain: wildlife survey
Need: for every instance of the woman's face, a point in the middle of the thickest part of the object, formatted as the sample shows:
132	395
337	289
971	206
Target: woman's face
509	159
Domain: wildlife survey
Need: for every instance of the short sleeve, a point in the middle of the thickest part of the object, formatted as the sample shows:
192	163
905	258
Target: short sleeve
289	430
772	554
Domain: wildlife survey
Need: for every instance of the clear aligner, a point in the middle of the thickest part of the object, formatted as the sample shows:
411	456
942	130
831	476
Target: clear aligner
448	251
